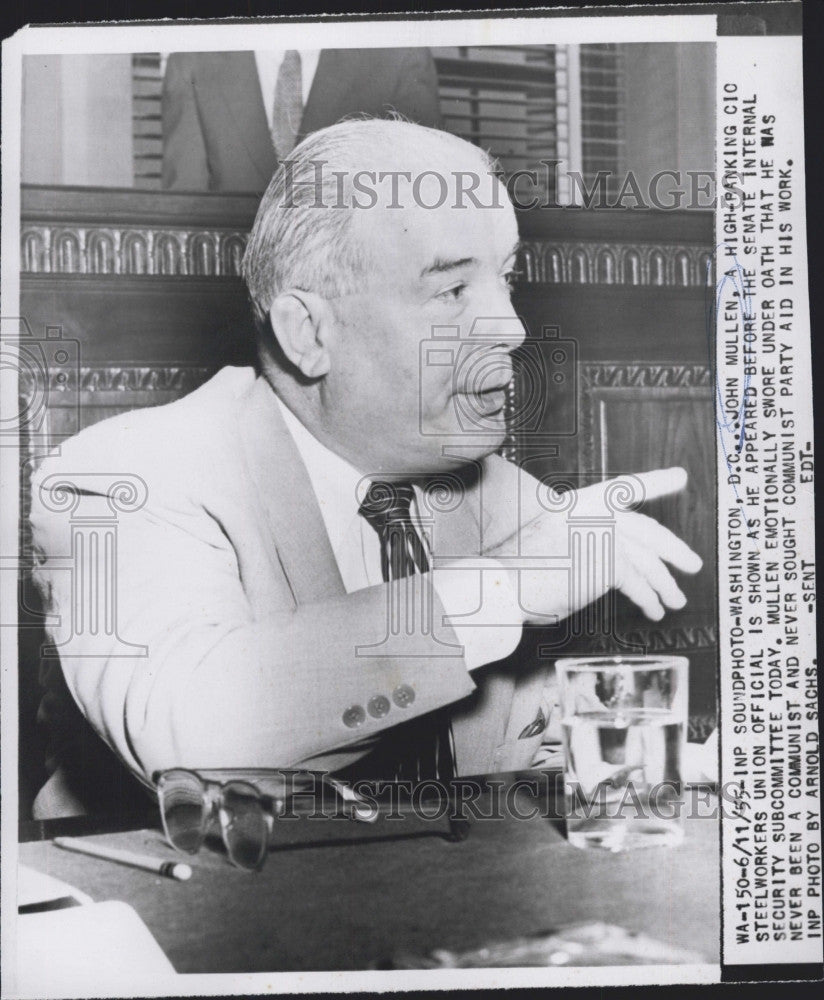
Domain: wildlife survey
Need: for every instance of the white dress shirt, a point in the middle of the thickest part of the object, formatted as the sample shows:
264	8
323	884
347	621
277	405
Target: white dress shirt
340	489
268	65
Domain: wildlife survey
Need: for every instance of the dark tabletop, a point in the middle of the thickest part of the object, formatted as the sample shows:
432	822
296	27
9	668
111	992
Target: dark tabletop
330	899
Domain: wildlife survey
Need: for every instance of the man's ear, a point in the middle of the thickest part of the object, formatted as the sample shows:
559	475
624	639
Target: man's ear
302	323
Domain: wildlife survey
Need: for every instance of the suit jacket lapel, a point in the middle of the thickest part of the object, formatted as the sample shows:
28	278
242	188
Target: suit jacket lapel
288	499
240	87
327	100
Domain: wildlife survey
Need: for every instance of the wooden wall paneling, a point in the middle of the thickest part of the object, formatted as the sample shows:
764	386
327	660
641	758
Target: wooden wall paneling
148	320
634	429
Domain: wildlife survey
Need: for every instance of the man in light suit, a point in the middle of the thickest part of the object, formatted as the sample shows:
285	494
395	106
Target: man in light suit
282	624
220	109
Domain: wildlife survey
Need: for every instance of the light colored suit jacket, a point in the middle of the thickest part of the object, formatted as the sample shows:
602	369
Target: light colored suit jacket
254	652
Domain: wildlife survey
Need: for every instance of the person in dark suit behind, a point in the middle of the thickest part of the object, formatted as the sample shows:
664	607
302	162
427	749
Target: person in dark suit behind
221	109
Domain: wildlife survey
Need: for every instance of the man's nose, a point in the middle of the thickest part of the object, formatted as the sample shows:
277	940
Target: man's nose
502	329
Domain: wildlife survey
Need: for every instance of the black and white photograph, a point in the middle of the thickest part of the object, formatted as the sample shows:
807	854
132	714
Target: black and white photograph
400	434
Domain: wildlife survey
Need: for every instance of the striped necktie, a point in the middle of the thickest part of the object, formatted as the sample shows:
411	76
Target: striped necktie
287	110
422	748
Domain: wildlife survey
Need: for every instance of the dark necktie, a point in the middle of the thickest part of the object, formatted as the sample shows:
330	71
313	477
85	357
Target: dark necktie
422	748
288	107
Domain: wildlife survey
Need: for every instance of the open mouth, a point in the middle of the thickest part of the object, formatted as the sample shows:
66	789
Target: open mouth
491	401
485	386
486	402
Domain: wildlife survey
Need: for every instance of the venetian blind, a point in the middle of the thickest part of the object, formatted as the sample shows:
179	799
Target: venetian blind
603	109
147	124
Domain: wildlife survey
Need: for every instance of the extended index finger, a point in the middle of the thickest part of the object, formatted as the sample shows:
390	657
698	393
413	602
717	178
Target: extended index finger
625	492
661	482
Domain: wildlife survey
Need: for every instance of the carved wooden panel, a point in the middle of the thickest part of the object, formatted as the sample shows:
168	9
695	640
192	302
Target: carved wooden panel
558	262
642	417
78	249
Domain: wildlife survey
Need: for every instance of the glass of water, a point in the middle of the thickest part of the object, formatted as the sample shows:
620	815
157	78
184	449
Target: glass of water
623	720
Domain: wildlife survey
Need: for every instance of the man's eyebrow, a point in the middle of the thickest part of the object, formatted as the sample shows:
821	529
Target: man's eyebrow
439	265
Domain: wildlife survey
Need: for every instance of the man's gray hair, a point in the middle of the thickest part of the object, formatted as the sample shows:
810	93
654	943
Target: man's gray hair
303	234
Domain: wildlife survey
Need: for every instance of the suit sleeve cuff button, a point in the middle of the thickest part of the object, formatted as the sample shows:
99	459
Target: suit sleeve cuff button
354	716
403	695
378	706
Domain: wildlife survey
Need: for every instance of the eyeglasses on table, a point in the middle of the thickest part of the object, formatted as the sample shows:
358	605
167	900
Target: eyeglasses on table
191	805
245	808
